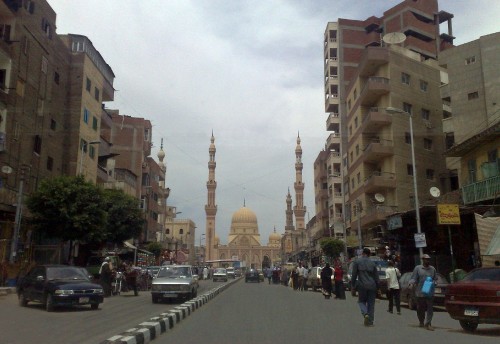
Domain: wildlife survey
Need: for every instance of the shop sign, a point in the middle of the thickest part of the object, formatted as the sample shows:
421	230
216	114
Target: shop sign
420	240
448	214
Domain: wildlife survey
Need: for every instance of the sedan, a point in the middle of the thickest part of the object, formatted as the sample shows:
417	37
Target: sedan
408	294
252	275
59	285
475	299
219	274
174	282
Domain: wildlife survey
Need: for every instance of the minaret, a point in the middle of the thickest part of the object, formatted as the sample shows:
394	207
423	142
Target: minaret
299	208
289	213
210	207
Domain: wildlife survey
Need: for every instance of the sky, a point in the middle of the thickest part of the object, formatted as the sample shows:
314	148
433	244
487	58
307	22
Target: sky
249	71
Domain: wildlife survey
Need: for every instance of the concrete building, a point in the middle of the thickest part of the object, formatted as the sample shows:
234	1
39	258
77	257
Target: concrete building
348	43
471	94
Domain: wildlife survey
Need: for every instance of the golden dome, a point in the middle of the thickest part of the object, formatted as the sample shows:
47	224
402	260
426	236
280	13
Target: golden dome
274	236
244	215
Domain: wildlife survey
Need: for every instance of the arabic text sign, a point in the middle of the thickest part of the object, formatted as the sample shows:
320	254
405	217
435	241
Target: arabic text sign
448	214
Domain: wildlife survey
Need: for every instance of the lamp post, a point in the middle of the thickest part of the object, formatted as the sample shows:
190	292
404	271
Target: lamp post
17	223
392	110
201	237
84	145
358	213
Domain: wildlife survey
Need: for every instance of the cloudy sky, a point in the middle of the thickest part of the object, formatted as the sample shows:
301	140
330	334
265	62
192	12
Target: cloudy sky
251	71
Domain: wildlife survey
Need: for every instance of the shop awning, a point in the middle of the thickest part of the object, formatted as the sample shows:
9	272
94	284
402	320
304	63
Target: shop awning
494	247
129	245
488	232
145	251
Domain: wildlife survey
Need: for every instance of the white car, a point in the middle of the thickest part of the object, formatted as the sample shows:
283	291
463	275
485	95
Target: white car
231	272
174	282
219	274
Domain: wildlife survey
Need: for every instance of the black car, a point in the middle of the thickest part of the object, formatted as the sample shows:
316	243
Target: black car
59	285
252	275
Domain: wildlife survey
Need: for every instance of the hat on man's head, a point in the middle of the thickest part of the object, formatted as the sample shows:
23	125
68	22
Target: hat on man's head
107	259
426	256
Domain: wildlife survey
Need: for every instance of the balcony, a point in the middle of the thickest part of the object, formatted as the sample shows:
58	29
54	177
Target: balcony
374	88
375	214
380	181
331	102
333	121
374	120
377	150
373	58
333	140
484	190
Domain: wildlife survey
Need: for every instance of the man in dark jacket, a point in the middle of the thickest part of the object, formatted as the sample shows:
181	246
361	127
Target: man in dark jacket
365	281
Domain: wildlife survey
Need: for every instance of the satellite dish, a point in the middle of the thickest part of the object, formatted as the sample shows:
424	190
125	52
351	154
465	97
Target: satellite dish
394	38
435	192
379	198
6	169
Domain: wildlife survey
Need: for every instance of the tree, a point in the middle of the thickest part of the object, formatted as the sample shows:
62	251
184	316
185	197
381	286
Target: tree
332	247
155	248
68	208
125	219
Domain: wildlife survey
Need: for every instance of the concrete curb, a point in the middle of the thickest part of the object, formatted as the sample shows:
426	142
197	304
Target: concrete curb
146	331
7	290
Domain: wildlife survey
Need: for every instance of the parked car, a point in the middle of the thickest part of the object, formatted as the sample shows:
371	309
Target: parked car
475	299
261	275
252	275
59	285
408	294
314	278
220	274
237	272
231	272
174	282
153	270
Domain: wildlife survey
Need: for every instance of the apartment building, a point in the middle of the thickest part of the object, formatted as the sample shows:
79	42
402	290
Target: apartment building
346	45
470	92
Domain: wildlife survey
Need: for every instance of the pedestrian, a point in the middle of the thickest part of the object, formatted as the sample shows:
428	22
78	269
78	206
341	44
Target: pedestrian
295	278
269	274
392	275
131	278
326	281
425	302
205	273
106	275
300	277
365	281
339	281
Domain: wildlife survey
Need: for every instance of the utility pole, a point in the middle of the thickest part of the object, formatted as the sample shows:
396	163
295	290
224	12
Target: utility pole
17	221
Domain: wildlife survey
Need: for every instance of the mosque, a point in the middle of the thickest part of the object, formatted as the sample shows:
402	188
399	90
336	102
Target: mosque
243	242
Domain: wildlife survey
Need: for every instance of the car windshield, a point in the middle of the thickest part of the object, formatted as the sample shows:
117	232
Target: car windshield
483	275
174	272
220	271
66	273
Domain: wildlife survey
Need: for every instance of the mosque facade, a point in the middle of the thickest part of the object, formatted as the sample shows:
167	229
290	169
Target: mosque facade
243	242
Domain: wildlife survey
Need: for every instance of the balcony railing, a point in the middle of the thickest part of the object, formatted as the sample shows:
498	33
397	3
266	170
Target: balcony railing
483	190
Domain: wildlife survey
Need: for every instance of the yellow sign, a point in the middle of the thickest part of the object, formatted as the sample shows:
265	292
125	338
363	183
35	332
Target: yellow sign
448	214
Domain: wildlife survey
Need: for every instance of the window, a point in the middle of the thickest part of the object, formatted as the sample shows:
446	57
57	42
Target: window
427	144
349	105
426	114
358	177
356	122
471	165
409	169
92	151
167	231
53	124
408	138
56	78
88	85
94	123
423	86
473	95
83	145
37	148
50	163
355	94
86	114
352	183
352	157
407	107
96	94
492	155
405	78
449	140
357	150
181	231
350	130
45	65
146	134
469	60
25	45
429	174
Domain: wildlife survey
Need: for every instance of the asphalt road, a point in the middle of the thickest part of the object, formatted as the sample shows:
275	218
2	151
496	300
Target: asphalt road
243	313
32	324
263	313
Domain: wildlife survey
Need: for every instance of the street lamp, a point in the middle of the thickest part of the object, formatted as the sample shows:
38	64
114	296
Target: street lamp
358	213
84	146
392	110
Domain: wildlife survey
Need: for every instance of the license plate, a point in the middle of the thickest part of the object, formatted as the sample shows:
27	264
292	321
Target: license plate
83	300
169	295
472	312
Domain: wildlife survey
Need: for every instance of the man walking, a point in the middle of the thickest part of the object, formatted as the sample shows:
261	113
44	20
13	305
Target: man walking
425	303
365	281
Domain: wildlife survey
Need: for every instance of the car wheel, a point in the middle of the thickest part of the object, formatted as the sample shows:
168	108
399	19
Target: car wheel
468	326
49	303
23	302
154	299
94	306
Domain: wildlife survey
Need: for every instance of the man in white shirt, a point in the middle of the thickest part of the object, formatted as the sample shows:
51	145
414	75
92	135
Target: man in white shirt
392	275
